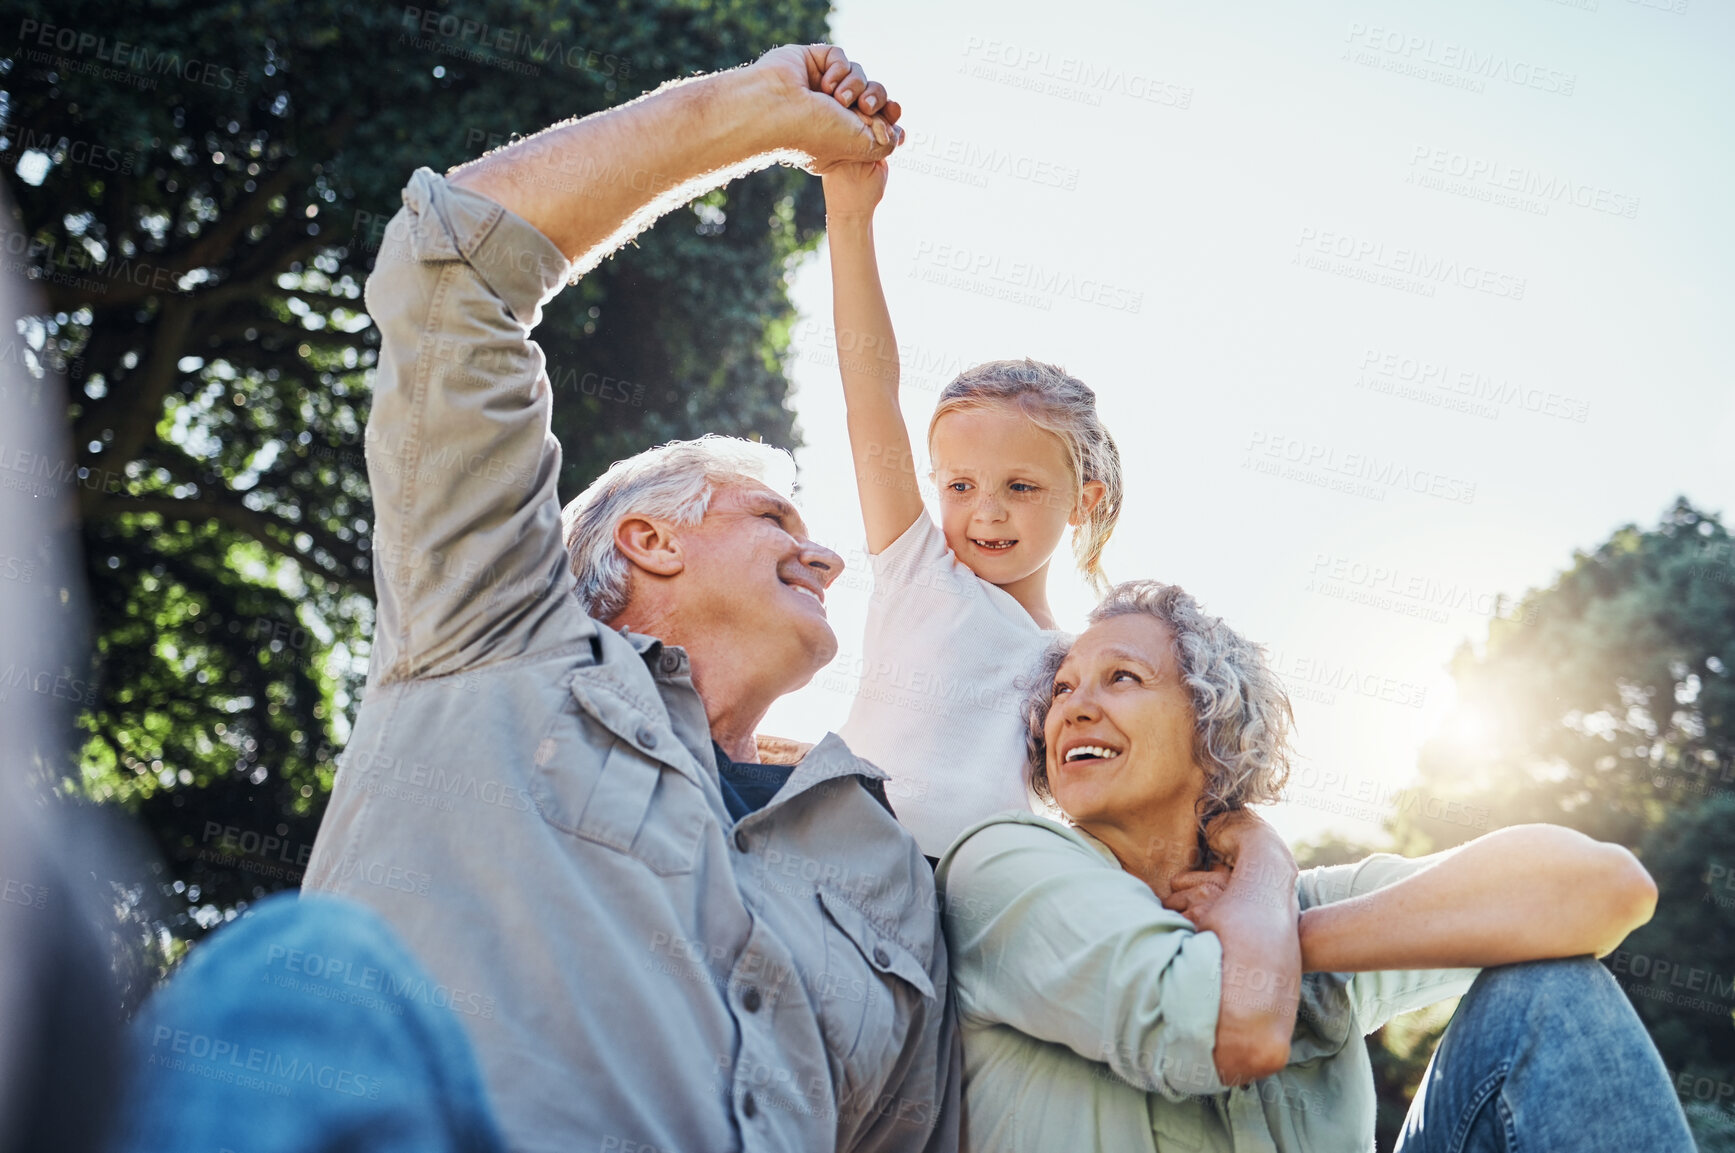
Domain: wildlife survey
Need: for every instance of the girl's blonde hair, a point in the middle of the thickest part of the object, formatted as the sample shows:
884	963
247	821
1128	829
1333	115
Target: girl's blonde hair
1065	406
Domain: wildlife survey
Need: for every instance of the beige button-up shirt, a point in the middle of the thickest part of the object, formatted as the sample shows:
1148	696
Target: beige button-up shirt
531	800
1089	1010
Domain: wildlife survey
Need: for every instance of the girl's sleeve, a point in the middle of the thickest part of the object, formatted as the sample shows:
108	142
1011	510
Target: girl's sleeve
915	557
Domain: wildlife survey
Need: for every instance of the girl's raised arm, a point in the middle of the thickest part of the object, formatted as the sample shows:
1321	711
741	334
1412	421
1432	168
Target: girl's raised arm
867	356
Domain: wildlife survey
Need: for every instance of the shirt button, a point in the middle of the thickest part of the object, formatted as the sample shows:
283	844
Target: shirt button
669	662
881	957
647	738
749	1107
741	839
750	999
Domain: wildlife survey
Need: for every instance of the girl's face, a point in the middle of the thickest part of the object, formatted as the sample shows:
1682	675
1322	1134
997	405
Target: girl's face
1120	730
1007	491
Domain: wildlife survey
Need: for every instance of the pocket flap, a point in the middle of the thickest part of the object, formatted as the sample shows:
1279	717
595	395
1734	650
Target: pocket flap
883	952
607	804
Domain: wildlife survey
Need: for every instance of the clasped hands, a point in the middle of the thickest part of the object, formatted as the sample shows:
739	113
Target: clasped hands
844	124
1244	846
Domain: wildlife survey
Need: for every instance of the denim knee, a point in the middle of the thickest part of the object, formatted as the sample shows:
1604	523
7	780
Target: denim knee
1567	975
1577	989
305	1026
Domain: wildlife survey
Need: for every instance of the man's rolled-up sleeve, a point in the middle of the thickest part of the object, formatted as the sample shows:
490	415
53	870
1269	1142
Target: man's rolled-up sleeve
467	543
1047	940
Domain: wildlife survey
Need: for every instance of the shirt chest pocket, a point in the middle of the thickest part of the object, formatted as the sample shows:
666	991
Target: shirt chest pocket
594	785
868	995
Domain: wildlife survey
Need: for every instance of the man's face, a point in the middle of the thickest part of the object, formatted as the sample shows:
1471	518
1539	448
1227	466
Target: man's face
751	572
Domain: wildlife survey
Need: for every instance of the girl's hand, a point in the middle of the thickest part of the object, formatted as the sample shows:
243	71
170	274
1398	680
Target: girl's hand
1232	833
1195	894
854	188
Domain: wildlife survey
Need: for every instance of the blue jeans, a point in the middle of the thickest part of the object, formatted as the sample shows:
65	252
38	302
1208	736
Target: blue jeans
304	1027
1546	1057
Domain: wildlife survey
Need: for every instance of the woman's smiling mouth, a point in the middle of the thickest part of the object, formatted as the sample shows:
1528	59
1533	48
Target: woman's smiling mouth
1084	753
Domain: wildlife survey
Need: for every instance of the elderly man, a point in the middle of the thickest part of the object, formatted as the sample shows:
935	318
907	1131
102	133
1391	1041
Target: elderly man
551	792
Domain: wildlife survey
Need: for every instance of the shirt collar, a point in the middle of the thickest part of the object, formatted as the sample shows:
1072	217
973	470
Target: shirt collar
1103	850
829	760
664	661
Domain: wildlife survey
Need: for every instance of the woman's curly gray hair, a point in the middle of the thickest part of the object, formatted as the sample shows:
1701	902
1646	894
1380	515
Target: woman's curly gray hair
1241	712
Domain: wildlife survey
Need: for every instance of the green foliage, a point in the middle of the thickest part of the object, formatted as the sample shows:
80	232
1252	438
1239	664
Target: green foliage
1688	1006
1607	704
1328	849
1713	1128
200	188
1399	1052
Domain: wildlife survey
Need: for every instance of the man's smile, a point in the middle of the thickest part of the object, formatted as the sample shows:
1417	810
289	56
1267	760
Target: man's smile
808	590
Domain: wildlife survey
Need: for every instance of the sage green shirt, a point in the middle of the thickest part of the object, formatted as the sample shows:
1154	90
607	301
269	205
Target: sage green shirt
1089	1011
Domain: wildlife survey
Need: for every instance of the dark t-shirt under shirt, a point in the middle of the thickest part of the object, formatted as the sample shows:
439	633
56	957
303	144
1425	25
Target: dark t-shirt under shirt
747	788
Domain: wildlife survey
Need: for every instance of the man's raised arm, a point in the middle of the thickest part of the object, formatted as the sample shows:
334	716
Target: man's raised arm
469	565
590	185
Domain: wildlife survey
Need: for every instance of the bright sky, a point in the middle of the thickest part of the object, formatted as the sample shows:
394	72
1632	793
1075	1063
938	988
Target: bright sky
1390	307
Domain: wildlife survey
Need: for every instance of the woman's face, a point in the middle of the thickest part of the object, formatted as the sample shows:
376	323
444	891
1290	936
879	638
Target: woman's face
1120	731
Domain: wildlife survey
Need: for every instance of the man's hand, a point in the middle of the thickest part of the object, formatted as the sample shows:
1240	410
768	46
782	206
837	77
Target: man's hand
831	111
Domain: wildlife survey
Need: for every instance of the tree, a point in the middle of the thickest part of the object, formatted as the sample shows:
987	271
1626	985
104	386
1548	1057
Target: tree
200	189
1606	703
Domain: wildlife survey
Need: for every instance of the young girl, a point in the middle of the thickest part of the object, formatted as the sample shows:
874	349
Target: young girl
960	609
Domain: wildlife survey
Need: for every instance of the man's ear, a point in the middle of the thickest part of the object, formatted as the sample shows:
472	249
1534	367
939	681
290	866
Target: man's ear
650	546
1088	498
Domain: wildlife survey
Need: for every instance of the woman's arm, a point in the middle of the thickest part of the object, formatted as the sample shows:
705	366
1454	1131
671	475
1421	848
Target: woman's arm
1521	894
1252	908
867	356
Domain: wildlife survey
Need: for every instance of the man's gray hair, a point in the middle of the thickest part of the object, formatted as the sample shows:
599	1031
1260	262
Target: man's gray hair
1242	718
673	482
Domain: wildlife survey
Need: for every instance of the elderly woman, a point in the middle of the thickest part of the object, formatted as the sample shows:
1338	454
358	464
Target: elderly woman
1131	976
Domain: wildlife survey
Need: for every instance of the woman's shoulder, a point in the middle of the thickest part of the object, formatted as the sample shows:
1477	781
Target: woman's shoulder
1017	826
1017	837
